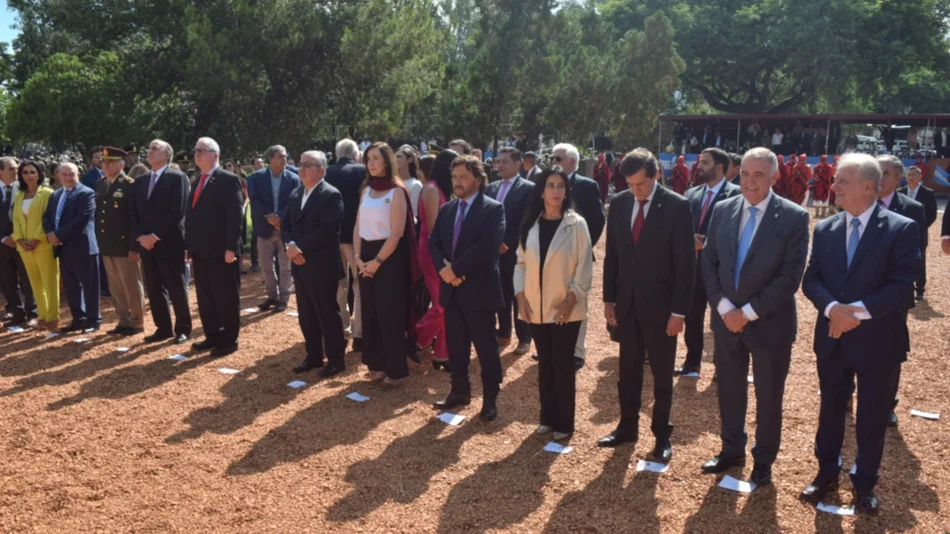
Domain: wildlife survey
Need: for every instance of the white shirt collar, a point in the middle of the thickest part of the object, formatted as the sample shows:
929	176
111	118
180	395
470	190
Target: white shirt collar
468	201
914	189
715	189
652	194
887	200
864	217
509	180
761	206
159	172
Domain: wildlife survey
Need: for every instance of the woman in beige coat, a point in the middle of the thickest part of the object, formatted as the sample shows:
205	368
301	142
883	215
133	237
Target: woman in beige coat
552	281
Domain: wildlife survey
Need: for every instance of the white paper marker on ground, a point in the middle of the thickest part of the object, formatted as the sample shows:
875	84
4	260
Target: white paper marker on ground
854	470
832	509
178	357
656	467
694	374
249	310
451	418
297	384
15	329
51	335
357	397
557	448
926	415
750	379
122	349
293	314
741	486
228	371
81	340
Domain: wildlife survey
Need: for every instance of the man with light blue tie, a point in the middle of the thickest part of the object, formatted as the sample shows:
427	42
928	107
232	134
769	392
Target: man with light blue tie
752	265
860	278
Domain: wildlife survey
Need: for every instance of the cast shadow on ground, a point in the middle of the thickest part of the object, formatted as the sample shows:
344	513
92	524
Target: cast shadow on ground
717	512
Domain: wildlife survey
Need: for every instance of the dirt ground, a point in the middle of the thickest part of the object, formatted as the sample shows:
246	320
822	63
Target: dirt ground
99	440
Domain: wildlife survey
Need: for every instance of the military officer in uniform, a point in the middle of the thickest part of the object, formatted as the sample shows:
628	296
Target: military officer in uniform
114	196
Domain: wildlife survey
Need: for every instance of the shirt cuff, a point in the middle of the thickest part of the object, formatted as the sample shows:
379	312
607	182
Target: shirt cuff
944	237
749	313
828	308
155	236
862	316
725	306
292	244
677	315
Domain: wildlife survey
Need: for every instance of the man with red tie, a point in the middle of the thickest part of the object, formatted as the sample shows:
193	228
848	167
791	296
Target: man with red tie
213	241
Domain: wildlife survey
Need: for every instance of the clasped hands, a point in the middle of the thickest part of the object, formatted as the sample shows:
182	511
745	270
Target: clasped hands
448	275
843	319
735	320
274	220
674	325
294	255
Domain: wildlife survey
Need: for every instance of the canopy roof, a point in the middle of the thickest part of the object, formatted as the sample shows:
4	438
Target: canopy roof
938	120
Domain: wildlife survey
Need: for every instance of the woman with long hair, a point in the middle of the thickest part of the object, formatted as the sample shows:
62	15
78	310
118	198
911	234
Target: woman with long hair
408	169
382	244
437	191
42	267
552	281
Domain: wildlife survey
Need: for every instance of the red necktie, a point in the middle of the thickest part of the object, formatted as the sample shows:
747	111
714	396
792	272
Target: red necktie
201	186
702	214
638	221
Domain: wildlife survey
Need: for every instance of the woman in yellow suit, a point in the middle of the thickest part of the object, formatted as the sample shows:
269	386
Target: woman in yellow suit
41	266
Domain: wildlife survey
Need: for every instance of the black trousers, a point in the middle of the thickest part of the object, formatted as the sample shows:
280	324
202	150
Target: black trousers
922	282
15	284
875	399
770	369
218	286
636	340
556	376
319	313
81	283
465	327
384	305
164	282
506	265
696	323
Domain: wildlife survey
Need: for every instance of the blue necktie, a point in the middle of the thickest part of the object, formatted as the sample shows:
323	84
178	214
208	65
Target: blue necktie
855	237
745	240
62	204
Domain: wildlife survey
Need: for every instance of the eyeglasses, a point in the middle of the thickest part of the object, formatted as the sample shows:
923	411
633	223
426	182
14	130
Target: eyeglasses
556	159
201	151
307	165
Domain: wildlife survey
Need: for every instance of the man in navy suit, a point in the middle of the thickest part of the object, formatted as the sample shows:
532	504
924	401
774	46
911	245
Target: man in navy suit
311	231
513	192
464	248
861	279
917	191
346	175
94	174
269	190
69	223
713	165
585	194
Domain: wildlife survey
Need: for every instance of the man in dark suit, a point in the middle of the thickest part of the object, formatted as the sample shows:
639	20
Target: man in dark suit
713	163
514	193
861	279
89	179
585	194
347	175
892	171
213	241
269	191
464	248
69	223
311	230
733	174
648	281
918	192
529	166
752	265
158	236
942	143
14	280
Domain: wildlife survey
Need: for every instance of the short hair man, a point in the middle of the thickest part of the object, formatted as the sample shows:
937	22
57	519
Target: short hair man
461	146
918	192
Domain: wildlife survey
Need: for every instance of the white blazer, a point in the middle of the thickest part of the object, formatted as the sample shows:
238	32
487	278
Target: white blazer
568	266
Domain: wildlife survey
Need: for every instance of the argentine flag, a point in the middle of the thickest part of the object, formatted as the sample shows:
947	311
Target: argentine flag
941	176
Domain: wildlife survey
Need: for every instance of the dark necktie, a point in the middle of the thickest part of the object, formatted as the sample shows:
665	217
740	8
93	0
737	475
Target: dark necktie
639	220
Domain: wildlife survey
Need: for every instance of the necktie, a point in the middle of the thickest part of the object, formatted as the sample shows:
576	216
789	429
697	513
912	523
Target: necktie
201	186
503	191
458	226
151	184
639	220
62	204
745	241
7	198
702	214
853	240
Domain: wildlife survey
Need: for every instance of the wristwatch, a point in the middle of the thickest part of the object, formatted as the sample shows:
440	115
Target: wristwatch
379	260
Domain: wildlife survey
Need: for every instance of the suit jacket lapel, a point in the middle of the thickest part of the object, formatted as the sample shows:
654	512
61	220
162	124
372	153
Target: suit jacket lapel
267	193
654	214
732	232
469	221
560	236
875	226
310	201
767	227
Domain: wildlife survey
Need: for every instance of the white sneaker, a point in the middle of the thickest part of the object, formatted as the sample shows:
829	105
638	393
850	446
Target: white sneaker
543	429
522	349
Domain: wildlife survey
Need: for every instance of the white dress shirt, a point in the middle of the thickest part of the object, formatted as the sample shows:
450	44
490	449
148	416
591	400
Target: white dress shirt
887	204
864	218
303	202
725	305
911	192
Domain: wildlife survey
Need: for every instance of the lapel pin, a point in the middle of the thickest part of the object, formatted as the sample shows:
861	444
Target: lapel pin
776	215
880	225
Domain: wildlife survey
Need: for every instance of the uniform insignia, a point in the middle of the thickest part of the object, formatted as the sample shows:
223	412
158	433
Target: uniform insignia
117	194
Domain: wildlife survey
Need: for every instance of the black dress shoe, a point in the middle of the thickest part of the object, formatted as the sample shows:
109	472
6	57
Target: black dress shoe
71	327
332	369
866	502
452	401
181	339
205	344
535	356
218	352
815	492
280	307
489	411
156	337
16	321
578	363
663	452
720	463
89	328
920	295
266	305
116	331
892	419
761	474
131	331
357	344
616	439
308	365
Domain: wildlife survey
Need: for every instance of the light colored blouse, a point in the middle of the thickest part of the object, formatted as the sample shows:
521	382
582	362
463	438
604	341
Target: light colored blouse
26	205
376	215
